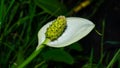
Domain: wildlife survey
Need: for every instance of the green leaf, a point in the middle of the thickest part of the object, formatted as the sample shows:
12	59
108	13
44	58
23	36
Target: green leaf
90	65
53	7
76	46
58	55
113	42
20	56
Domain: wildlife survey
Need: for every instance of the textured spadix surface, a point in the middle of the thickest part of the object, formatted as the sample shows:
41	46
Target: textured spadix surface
76	29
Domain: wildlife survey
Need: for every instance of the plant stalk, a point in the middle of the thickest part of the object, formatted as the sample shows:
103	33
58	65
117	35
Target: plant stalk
34	54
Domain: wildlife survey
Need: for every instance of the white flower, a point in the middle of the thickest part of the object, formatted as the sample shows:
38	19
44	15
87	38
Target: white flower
77	28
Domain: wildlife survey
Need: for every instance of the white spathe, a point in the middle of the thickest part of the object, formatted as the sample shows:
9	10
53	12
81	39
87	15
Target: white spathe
77	28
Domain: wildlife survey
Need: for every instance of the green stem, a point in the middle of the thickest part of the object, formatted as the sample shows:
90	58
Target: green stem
34	54
102	40
114	59
38	65
91	58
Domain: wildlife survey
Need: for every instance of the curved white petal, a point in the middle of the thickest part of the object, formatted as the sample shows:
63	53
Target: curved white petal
77	28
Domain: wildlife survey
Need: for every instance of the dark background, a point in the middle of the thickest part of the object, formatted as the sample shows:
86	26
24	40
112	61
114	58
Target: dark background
109	11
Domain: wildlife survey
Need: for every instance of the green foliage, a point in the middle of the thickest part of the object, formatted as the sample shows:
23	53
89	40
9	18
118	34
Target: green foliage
90	66
113	42
76	46
53	7
114	59
58	55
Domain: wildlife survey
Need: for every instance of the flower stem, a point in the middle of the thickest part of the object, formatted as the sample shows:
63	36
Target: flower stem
34	54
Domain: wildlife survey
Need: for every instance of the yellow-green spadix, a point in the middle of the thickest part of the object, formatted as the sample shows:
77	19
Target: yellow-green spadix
74	29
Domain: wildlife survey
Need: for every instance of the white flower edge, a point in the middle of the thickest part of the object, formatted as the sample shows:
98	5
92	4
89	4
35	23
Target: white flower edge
77	28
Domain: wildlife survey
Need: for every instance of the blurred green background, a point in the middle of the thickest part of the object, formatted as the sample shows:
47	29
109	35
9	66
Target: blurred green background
20	21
